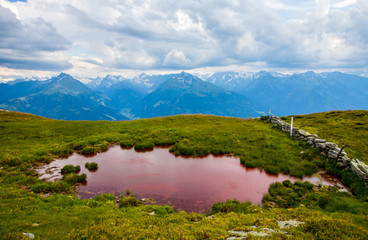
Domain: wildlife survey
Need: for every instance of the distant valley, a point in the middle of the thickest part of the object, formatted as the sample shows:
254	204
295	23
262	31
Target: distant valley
223	94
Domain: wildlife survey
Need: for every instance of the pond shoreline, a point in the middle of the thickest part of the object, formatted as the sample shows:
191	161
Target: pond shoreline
140	172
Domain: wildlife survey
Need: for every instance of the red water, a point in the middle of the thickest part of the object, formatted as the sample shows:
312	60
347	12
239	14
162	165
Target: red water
189	184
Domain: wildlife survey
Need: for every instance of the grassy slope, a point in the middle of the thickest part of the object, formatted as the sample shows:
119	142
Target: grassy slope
349	128
30	140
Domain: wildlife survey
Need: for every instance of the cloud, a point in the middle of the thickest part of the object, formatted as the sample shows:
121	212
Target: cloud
176	58
25	45
161	34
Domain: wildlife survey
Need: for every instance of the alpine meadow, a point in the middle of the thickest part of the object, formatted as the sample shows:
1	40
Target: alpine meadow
160	119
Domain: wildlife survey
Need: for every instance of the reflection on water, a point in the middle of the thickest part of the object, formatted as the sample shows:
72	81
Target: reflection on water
190	184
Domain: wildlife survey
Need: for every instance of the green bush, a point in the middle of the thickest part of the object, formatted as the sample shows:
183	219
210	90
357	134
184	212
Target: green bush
129	201
334	229
42	188
60	186
103	146
250	164
88	150
272	170
231	206
73	178
105	197
44	159
79	146
91	166
126	143
144	146
70	169
309	168
295	172
11	160
62	151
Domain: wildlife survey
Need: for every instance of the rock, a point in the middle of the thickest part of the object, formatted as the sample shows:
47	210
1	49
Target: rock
152	213
332	154
35	224
242	235
356	166
288	224
363	167
261	232
331	145
321	145
304	133
319	140
29	235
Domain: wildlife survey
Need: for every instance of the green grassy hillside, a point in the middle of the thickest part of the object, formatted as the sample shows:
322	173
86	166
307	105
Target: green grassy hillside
349	128
51	211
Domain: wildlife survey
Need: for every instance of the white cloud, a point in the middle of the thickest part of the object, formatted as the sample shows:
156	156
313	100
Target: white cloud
323	7
176	58
144	35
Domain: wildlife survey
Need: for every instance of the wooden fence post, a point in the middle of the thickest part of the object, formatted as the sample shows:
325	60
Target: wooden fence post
338	155
291	126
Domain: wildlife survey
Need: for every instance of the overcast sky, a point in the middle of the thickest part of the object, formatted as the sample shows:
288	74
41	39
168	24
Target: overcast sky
94	37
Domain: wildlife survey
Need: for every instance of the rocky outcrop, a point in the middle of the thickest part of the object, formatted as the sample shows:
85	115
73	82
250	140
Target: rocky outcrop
329	148
289	224
256	232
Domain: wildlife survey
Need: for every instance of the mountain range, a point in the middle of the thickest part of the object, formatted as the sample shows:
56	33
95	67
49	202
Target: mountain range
233	94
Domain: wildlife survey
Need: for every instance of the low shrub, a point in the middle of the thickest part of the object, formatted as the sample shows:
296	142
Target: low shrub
91	166
126	143
272	170
44	159
11	160
296	172
231	206
250	164
88	150
105	197
70	169
287	194
42	187
144	146
60	186
335	228
128	201
80	145
103	146
62	151
73	178
309	168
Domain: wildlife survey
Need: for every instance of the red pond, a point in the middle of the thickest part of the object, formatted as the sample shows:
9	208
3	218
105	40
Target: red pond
189	184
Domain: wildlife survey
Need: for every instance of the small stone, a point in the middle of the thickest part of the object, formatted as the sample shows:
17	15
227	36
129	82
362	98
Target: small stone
331	144
35	224
321	145
288	224
319	140
152	213
29	235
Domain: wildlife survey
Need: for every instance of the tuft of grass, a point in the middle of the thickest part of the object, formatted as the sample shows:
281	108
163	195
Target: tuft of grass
72	178
70	169
232	206
144	146
91	166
